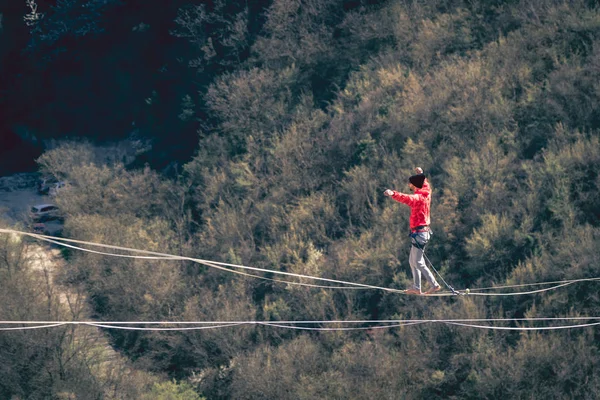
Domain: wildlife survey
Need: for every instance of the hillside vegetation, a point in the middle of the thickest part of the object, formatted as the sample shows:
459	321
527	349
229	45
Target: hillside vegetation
304	124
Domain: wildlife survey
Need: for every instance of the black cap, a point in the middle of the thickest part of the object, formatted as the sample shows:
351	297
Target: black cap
417	180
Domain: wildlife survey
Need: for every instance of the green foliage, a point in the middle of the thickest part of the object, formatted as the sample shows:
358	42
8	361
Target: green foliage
447	34
497	101
249	104
74	18
493	248
187	108
64	159
539	365
172	391
220	34
297	31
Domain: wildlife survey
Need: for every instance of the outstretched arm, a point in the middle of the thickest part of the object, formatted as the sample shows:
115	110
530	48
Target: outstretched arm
408	199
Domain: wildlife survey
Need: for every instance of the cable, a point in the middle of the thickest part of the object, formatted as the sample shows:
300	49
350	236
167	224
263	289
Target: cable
342	329
537	284
173	257
249	323
307	322
133	328
214	265
287	282
454	292
524	328
197	260
473	292
470	322
204	262
521	293
289	324
470	293
24	328
357	286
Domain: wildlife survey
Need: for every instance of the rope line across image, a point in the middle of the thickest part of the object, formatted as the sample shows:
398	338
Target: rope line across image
302	325
228	268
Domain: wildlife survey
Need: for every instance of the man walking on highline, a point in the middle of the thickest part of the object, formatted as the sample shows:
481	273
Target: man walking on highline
419	203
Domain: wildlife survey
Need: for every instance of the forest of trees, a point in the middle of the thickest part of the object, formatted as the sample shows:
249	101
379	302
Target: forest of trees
300	113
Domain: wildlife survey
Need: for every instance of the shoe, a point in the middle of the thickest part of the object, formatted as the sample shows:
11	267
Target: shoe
434	289
412	291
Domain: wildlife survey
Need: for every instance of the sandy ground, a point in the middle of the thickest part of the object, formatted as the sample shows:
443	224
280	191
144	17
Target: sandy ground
15	205
17	194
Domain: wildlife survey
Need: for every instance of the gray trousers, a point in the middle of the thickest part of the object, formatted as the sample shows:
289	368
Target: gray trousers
417	261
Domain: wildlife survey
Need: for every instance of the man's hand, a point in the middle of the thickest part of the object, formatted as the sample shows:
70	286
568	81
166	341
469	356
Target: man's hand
388	192
419	170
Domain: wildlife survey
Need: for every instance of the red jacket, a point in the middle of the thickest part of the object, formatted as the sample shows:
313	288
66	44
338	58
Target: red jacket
419	203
